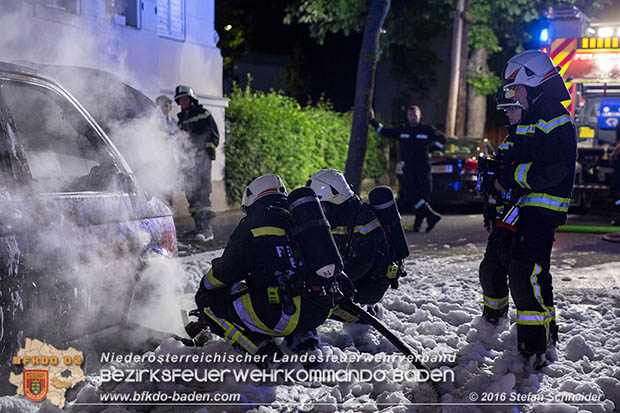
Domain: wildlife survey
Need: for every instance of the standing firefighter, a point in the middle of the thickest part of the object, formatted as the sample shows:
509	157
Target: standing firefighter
416	141
203	139
497	220
544	156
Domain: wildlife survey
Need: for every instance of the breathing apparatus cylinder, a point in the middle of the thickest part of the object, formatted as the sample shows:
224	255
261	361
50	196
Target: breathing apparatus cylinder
312	233
383	203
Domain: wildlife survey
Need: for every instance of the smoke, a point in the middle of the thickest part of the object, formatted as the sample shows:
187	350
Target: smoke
80	253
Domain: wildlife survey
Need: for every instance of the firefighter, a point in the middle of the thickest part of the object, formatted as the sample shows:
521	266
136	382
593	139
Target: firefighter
359	237
493	271
416	141
543	168
203	139
253	292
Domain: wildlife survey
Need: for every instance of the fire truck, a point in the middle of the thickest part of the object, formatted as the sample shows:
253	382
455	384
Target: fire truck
588	54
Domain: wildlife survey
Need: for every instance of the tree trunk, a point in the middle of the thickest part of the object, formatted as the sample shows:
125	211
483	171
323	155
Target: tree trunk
364	84
461	107
477	104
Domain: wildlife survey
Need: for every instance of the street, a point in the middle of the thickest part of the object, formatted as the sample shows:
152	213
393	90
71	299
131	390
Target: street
436	311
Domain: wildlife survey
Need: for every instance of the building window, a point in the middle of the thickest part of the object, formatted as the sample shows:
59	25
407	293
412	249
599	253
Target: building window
125	12
70	6
171	19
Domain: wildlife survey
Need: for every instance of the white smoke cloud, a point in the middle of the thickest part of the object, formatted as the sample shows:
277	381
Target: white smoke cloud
79	265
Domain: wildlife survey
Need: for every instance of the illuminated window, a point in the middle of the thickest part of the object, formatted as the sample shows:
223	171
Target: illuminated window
70	6
171	19
125	12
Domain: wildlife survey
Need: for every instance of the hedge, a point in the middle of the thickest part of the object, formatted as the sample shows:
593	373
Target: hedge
272	133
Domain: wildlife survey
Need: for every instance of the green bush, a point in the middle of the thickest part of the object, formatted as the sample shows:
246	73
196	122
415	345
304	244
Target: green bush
271	133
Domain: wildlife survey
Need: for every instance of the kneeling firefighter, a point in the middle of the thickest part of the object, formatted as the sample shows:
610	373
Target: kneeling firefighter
370	237
277	275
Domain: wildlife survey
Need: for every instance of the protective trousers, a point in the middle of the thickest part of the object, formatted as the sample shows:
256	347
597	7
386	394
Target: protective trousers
218	311
530	281
493	272
198	191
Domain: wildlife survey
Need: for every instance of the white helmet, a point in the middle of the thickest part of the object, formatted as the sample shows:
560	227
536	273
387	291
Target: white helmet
269	184
330	185
529	68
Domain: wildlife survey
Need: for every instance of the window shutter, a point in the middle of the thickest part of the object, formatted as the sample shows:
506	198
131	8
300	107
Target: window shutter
171	19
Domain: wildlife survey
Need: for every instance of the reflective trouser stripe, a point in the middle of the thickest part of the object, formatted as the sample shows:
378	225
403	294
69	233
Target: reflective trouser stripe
210	282
201	209
533	318
495	303
232	334
284	327
546	314
419	204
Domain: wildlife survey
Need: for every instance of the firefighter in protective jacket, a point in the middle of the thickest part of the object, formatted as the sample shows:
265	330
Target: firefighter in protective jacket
358	234
493	269
252	293
416	141
544	153
203	138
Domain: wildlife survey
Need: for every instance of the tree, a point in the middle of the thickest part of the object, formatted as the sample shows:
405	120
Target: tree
502	26
405	35
363	91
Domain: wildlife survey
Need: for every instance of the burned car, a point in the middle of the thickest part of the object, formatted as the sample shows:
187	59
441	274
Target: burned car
75	224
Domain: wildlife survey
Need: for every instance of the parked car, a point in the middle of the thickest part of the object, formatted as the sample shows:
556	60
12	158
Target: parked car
454	170
75	225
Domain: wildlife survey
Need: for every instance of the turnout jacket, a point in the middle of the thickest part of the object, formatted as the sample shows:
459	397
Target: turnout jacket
543	157
202	129
361	241
258	253
416	142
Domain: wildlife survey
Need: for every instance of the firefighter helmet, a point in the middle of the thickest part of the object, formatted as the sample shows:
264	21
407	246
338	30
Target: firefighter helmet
331	186
262	186
529	68
183	90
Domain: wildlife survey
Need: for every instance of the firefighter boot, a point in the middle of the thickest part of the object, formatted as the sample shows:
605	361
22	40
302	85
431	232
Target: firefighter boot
419	218
432	217
494	316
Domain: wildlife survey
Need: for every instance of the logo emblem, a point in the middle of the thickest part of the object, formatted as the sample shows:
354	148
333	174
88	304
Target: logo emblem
36	384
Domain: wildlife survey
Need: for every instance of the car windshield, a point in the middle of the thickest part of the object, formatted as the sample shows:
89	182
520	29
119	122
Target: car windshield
463	147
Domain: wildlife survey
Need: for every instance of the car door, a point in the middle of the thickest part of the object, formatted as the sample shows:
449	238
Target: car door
13	175
84	220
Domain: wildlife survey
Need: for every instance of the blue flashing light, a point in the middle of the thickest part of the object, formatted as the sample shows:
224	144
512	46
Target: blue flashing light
544	35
